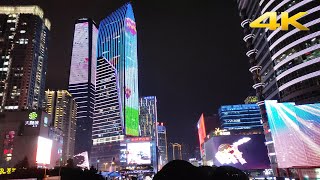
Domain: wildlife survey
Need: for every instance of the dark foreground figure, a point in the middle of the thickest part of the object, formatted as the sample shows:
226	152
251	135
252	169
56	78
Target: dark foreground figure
180	170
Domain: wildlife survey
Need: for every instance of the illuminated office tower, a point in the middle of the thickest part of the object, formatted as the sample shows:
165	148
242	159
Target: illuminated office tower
107	129
24	34
162	146
148	116
117	43
82	80
285	64
63	109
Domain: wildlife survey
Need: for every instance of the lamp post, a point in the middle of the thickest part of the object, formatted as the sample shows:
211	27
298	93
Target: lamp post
105	166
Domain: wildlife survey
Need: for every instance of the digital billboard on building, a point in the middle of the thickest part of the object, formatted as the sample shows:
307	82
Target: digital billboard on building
201	131
295	132
241	151
80	56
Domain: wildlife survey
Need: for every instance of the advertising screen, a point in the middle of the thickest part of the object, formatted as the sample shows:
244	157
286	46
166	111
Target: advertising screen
81	160
295	132
131	77
80	57
201	131
139	153
44	150
244	152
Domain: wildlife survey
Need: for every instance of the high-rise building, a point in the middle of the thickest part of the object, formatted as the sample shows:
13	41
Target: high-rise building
117	77
285	64
63	109
117	43
82	80
148	116
162	146
241	119
24	34
107	130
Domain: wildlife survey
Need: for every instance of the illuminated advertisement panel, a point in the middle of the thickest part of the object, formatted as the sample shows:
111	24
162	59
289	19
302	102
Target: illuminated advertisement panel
295	132
44	150
139	153
201	132
79	59
94	54
244	152
131	77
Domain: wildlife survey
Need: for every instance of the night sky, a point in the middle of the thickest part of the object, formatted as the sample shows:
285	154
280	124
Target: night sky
191	54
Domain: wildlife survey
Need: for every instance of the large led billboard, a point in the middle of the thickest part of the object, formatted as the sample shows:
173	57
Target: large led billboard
131	76
201	131
139	153
241	151
43	150
295	130
80	54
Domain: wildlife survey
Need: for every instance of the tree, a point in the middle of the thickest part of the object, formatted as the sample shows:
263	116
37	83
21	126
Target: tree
23	164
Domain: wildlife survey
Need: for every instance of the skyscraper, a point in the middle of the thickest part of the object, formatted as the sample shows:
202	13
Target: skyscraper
82	80
117	43
63	108
117	98
24	34
162	146
148	116
285	64
107	130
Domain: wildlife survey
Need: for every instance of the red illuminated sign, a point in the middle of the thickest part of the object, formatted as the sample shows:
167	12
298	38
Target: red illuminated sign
201	131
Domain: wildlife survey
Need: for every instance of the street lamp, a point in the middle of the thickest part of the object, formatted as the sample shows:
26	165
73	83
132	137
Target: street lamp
105	166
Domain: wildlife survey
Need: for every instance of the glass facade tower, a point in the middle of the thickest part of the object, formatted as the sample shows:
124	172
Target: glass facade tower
117	43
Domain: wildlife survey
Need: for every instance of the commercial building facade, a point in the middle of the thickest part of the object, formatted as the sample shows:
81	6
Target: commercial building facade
117	111
24	34
29	134
241	119
284	64
82	80
63	109
148	116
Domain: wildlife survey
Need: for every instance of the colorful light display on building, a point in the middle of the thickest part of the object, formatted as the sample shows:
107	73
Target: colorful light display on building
80	60
44	151
295	132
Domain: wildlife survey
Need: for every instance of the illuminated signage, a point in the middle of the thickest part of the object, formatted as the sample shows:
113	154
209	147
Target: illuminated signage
241	151
131	26
229	153
43	150
285	21
201	132
7	171
139	153
80	53
32	120
33	116
221	132
232	120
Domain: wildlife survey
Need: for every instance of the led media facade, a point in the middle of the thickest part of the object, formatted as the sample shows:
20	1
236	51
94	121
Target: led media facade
117	43
82	80
295	132
80	54
44	151
241	151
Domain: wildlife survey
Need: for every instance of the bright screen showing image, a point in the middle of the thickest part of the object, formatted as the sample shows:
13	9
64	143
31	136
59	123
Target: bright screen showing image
44	150
243	152
139	153
131	77
295	130
79	60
